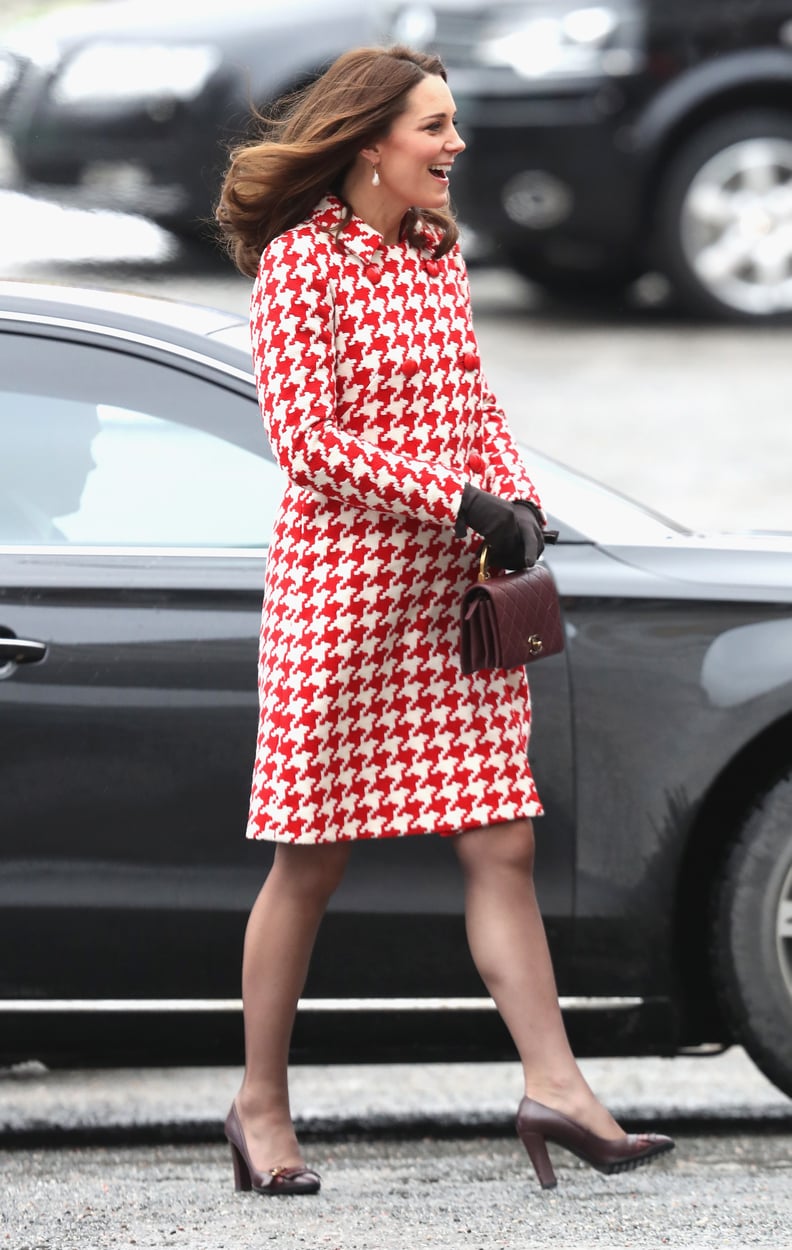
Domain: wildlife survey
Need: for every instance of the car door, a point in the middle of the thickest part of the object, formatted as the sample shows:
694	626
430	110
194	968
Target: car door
137	497
136	500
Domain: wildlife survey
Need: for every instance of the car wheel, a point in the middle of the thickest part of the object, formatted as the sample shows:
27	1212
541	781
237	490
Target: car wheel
725	218
752	936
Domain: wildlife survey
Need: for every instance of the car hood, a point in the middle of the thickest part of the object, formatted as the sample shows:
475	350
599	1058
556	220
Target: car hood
737	565
149	20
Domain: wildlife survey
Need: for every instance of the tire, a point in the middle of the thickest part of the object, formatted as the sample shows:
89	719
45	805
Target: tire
752	936
724	224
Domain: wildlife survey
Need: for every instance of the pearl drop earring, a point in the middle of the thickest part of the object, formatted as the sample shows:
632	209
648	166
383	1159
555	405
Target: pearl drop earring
375	177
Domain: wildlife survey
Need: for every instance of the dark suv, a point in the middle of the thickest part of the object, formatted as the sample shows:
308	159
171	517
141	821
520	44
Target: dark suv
607	139
133	103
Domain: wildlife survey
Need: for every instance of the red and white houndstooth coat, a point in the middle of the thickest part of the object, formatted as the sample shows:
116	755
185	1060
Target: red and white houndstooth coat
372	396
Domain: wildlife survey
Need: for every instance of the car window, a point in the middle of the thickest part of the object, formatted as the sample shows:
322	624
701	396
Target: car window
581	507
105	448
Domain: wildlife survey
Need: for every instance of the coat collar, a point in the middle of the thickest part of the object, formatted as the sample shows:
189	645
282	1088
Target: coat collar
357	236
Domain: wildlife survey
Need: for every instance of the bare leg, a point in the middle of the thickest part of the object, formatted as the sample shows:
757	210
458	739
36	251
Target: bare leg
508	943
278	943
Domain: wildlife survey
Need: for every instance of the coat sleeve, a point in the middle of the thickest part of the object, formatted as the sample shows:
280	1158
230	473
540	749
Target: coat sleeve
294	354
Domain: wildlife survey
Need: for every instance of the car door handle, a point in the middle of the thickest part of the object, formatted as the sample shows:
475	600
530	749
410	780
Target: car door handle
21	651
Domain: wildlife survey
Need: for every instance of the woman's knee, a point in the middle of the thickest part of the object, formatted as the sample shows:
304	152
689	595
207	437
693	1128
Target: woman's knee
507	846
311	871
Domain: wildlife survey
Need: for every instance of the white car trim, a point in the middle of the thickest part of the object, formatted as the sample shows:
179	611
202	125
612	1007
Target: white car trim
128	336
109	1005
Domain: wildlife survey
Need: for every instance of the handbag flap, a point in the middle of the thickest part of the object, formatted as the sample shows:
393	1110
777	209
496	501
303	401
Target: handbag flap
511	620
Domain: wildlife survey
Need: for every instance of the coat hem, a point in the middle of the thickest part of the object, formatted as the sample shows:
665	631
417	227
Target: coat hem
521	811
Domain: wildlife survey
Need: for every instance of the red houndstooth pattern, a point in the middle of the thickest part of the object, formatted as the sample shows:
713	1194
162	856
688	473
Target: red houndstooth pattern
375	406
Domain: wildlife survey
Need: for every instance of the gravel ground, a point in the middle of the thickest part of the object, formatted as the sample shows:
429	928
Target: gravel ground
477	1194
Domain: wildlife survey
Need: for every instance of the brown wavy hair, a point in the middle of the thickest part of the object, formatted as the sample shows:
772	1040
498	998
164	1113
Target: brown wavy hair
310	141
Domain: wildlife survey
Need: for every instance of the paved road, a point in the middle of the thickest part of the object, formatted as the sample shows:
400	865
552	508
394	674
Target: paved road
40	1107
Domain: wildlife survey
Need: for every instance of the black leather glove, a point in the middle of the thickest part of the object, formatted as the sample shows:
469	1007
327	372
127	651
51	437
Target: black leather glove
530	523
513	531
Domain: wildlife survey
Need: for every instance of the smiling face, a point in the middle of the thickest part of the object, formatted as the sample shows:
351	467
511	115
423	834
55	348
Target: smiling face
414	161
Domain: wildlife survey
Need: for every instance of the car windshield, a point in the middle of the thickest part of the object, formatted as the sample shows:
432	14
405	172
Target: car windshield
583	508
235	335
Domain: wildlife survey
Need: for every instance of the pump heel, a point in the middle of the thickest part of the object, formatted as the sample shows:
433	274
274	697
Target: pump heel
537	1125
537	1153
242	1181
282	1180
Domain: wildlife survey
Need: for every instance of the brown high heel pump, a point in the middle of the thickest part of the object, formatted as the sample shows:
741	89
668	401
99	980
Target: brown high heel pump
278	1180
537	1125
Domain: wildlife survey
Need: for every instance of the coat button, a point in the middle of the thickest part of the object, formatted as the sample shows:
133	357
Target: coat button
475	463
373	273
432	268
471	361
410	368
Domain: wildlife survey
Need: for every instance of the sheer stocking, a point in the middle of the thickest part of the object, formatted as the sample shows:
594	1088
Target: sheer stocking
279	940
509	947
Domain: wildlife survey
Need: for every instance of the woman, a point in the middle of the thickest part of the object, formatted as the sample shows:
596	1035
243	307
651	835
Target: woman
399	461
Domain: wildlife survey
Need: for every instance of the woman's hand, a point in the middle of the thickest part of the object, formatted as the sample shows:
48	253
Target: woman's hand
512	530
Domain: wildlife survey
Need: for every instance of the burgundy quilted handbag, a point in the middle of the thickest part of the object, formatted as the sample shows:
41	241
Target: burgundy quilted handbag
510	620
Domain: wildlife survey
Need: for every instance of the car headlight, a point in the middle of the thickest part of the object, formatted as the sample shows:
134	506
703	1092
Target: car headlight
135	71
566	41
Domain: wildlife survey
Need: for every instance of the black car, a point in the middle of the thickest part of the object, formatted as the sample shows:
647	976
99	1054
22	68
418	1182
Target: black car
137	497
134	103
606	139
